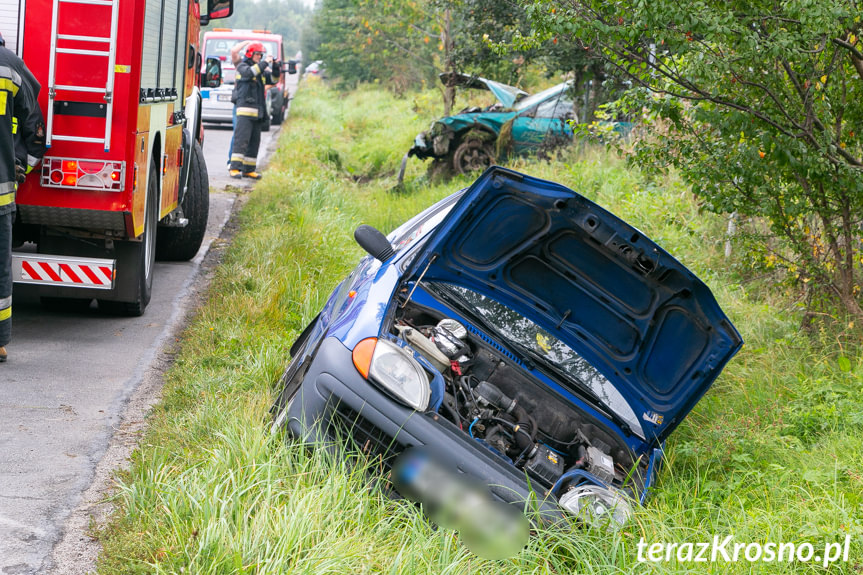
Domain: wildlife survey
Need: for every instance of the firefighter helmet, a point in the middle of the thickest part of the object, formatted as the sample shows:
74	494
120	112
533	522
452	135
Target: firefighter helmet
254	47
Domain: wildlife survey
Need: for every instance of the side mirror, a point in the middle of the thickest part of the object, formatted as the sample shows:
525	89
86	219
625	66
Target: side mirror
213	73
290	67
217	9
374	242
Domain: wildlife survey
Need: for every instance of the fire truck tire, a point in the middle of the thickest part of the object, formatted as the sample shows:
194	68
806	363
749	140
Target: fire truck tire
181	244
265	121
278	107
140	255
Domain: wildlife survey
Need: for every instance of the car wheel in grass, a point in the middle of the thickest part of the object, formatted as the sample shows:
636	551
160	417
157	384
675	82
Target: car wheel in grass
473	156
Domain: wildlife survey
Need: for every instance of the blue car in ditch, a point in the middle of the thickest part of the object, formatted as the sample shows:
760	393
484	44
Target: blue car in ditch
522	336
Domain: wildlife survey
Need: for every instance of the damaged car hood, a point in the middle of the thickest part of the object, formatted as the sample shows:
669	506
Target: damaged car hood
505	94
592	281
493	120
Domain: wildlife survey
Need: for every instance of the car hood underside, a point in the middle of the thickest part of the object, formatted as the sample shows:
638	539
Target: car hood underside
594	282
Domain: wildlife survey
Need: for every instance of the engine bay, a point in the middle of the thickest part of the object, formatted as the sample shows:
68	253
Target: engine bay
490	396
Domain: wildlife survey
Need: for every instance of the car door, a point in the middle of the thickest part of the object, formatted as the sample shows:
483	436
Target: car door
547	121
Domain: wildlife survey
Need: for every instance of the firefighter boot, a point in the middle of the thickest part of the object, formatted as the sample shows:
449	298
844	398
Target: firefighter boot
3	355
253	175
236	174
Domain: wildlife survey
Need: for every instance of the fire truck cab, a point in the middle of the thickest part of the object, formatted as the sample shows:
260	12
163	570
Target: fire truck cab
124	179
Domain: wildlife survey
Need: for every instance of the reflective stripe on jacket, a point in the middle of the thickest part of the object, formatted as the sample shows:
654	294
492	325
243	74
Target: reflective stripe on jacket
19	91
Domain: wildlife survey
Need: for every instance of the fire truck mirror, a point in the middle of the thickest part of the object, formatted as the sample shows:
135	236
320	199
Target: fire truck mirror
290	67
213	73
217	9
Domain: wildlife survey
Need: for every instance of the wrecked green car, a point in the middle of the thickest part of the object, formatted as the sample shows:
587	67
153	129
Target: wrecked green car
517	124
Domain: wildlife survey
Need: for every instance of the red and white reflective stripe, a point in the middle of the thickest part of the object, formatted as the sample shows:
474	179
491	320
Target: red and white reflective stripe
63	271
76	274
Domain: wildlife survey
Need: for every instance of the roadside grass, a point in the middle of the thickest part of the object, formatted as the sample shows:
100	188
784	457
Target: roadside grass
771	454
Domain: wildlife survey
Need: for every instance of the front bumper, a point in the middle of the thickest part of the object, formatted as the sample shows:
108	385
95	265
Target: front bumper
421	149
217	115
216	106
334	396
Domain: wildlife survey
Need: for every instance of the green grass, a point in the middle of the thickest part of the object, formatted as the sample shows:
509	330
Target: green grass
772	453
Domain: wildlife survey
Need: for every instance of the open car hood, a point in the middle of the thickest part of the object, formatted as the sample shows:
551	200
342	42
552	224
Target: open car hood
506	95
591	280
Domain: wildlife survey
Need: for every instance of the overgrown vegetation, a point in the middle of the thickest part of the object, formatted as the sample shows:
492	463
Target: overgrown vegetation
772	453
757	104
405	44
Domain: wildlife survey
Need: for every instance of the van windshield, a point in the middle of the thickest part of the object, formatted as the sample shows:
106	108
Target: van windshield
221	48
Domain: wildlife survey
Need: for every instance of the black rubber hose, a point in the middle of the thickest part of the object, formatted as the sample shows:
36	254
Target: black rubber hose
454	415
521	436
523	418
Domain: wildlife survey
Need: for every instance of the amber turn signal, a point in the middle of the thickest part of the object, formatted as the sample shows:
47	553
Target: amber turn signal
362	355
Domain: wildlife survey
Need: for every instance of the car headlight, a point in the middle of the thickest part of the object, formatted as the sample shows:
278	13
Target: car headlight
395	370
598	506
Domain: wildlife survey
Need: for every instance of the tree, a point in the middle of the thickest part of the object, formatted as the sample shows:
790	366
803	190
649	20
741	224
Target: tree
474	20
482	26
392	41
760	103
407	43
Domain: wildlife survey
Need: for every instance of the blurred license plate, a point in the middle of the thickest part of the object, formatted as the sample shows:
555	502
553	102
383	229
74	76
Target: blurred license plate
223	97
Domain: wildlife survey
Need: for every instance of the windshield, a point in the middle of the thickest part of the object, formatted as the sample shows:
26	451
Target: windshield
533	100
522	332
221	48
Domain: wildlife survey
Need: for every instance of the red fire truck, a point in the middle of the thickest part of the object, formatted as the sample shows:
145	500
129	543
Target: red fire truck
124	178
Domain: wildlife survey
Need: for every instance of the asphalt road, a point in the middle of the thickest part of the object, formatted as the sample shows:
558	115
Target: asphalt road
75	391
63	391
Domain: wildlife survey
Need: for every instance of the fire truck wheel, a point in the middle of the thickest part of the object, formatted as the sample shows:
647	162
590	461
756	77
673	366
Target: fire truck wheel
181	244
278	107
140	255
265	121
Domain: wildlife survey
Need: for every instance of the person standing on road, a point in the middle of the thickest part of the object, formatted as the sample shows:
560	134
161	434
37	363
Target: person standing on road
236	56
22	145
253	73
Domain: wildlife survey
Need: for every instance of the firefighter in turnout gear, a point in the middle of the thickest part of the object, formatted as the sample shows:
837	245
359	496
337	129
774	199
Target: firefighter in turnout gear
22	145
253	73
